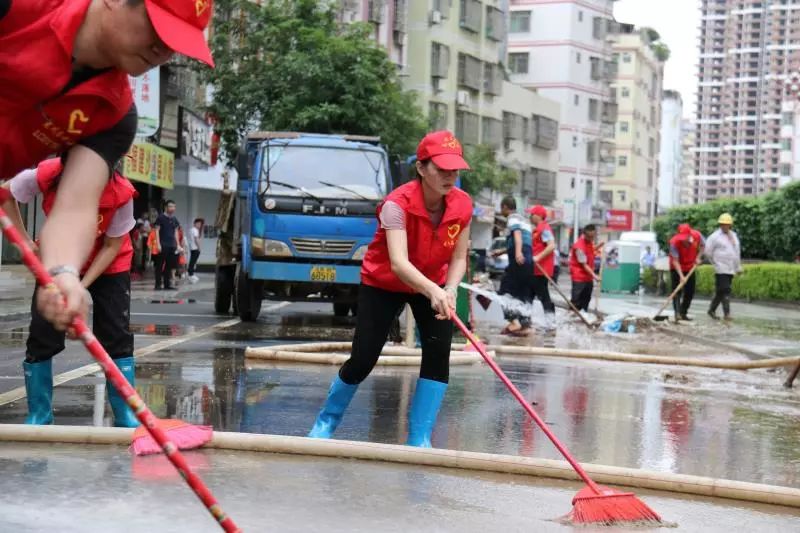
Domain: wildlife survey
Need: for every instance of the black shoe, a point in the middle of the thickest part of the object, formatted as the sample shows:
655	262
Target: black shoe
169	288
157	288
727	318
685	317
712	314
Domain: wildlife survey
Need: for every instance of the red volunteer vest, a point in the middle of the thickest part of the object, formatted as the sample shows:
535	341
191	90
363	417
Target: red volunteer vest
116	194
576	270
688	247
547	263
429	248
36	42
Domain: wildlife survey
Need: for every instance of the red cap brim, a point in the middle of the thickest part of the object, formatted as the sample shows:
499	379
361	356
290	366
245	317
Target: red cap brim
450	162
178	34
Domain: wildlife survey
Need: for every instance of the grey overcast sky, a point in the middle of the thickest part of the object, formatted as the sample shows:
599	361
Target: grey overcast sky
678	24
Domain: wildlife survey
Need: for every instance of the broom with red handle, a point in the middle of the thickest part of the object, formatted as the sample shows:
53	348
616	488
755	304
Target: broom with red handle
143	413
594	504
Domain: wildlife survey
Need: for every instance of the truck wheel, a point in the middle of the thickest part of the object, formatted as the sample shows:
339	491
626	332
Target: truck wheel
223	288
248	296
341	309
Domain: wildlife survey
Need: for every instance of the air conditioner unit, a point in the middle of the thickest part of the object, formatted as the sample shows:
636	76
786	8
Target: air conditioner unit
436	17
463	98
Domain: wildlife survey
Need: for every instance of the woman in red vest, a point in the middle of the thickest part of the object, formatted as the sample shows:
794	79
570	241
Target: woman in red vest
418	257
581	268
64	89
106	276
544	244
685	251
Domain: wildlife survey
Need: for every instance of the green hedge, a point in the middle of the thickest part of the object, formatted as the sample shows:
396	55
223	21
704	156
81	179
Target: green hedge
768	226
759	281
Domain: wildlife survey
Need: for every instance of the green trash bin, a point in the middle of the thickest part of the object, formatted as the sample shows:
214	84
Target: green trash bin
621	271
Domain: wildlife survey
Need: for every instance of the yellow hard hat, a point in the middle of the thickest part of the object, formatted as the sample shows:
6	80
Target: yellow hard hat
725	218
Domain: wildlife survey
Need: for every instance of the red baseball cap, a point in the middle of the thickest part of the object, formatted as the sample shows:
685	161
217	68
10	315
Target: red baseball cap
684	229
180	24
444	149
539	211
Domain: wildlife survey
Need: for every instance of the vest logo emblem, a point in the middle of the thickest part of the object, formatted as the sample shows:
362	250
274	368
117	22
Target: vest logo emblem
75	117
452	232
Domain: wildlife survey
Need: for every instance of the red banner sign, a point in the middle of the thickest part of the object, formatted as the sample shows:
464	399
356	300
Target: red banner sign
619	220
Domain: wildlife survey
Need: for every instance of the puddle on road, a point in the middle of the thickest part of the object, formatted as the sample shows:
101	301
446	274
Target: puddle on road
172	301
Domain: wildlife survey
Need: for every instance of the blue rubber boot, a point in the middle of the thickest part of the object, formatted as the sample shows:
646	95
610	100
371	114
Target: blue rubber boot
39	390
339	396
424	408
123	416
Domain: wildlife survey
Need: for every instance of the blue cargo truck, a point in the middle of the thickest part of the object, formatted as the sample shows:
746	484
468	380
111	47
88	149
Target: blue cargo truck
305	213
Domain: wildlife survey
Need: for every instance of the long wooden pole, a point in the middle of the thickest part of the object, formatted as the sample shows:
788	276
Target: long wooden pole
564	296
675	292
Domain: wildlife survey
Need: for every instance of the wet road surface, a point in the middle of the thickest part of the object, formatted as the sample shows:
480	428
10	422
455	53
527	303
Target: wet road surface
98	488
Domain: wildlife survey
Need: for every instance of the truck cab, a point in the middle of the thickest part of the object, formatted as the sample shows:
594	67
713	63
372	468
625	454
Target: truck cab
306	214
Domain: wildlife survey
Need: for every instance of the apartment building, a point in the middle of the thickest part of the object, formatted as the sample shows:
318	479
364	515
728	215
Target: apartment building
389	19
688	130
748	48
670	158
455	52
561	49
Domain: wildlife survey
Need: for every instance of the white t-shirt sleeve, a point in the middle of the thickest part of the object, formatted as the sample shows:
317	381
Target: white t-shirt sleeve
24	186
122	222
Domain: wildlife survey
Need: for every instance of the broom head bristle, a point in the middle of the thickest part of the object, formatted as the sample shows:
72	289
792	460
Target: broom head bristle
610	507
184	435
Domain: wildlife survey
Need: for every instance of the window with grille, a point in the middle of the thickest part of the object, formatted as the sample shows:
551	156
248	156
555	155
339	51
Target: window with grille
440	60
437	116
546	132
470	18
470	72
594	109
467	125
518	62
520	22
512	126
495	24
491	132
492	79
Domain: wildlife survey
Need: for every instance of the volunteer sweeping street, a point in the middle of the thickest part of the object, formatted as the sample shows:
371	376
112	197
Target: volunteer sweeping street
685	251
518	278
106	275
418	256
725	253
64	90
581	267
544	245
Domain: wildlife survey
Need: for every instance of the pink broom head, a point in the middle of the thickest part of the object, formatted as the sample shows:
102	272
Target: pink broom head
609	508
182	434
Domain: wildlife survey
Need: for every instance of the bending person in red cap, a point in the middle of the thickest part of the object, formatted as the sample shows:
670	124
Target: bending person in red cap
685	251
544	244
107	277
64	90
418	256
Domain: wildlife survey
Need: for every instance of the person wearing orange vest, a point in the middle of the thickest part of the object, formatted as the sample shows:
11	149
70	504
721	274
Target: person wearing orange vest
106	275
64	90
581	268
685	251
417	257
544	245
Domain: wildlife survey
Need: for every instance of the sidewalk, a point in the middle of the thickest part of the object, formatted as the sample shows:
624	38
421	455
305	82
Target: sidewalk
17	284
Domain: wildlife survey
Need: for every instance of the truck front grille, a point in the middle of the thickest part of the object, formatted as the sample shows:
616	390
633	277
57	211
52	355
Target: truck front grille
323	247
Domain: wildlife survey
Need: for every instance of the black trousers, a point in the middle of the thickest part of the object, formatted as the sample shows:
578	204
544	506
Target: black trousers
111	297
194	255
683	300
582	294
517	282
542	291
377	309
722	294
165	263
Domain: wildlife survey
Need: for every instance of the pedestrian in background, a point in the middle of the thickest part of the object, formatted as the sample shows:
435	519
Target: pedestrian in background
724	252
544	246
685	251
518	278
194	247
581	267
166	230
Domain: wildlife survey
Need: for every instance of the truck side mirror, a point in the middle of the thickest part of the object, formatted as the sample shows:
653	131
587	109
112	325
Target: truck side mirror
242	166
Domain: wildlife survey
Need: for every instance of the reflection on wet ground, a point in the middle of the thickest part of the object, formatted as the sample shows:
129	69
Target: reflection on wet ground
169	330
714	423
41	485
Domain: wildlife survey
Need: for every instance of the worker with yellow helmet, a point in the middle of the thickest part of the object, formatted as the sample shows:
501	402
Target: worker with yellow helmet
724	252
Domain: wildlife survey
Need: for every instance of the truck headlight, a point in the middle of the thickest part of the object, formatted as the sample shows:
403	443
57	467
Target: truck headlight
269	248
360	252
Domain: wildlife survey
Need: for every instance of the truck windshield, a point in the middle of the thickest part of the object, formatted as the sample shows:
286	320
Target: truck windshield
322	172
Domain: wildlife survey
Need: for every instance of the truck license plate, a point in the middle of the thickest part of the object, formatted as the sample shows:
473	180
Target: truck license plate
323	273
